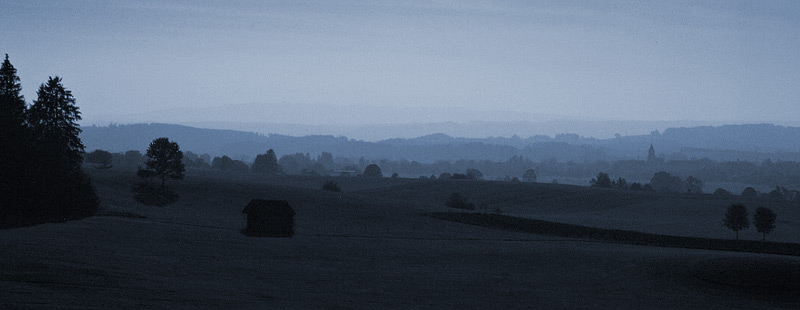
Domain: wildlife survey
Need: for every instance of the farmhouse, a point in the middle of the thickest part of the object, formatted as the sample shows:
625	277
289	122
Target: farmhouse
269	218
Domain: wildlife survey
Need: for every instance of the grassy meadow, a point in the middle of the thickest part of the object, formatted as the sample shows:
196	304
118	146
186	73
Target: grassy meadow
374	246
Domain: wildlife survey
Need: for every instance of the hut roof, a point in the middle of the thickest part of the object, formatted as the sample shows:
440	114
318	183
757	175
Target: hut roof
268	208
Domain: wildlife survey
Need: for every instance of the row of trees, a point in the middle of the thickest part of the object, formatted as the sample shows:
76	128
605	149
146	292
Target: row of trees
736	219
40	155
661	181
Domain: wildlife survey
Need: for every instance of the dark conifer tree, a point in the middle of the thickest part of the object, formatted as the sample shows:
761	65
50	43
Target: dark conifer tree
46	183
53	119
14	149
12	103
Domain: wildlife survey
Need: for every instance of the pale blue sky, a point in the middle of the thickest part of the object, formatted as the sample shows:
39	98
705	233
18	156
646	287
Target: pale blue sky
721	61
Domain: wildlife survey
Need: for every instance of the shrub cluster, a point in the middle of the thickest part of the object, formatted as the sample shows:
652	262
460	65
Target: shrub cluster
457	201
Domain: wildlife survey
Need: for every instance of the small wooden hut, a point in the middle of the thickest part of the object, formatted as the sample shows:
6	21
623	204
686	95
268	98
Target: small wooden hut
269	218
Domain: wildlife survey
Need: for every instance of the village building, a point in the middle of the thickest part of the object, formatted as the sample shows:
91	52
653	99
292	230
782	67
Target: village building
269	218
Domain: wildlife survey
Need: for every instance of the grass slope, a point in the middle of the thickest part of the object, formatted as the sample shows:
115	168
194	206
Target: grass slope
616	235
368	247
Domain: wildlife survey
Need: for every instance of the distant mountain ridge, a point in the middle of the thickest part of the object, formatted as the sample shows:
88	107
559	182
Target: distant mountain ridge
753	142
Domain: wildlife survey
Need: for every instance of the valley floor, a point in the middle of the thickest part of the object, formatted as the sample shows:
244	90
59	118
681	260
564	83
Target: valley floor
351	250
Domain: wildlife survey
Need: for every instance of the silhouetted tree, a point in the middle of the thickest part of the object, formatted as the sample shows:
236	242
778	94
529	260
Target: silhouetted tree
12	103
529	176
15	147
164	161
373	171
749	192
602	180
331	186
455	200
41	178
736	218
662	181
296	163
722	192
620	183
326	160
474	174
694	185
764	220
53	118
445	176
459	176
636	186
395	175
267	164
12	116
192	160
781	193
101	159
225	163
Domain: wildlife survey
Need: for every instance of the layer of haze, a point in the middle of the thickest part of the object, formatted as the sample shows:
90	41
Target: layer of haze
346	63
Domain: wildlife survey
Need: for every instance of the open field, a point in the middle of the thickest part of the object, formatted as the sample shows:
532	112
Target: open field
372	247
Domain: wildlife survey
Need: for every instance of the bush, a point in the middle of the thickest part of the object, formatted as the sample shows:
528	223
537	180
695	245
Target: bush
749	192
101	159
459	176
721	192
456	201
602	180
373	171
474	174
529	176
331	186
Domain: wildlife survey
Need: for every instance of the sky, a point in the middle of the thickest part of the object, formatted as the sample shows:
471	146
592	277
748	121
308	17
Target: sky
382	62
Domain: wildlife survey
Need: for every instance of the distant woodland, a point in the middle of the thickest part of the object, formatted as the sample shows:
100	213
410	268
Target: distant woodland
725	154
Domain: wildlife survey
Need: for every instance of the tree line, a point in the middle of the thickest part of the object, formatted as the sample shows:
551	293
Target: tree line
40	155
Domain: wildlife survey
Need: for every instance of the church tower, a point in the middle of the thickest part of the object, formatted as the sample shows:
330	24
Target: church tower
651	154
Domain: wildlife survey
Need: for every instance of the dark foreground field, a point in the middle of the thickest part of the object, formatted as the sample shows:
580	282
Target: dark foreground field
369	247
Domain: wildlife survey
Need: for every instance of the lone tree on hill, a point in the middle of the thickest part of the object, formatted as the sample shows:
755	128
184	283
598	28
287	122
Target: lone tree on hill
764	220
267	164
736	218
602	180
529	176
373	171
164	161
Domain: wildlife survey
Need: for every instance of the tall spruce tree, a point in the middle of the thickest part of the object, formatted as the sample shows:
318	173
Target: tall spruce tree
12	119
42	180
12	103
14	149
53	119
